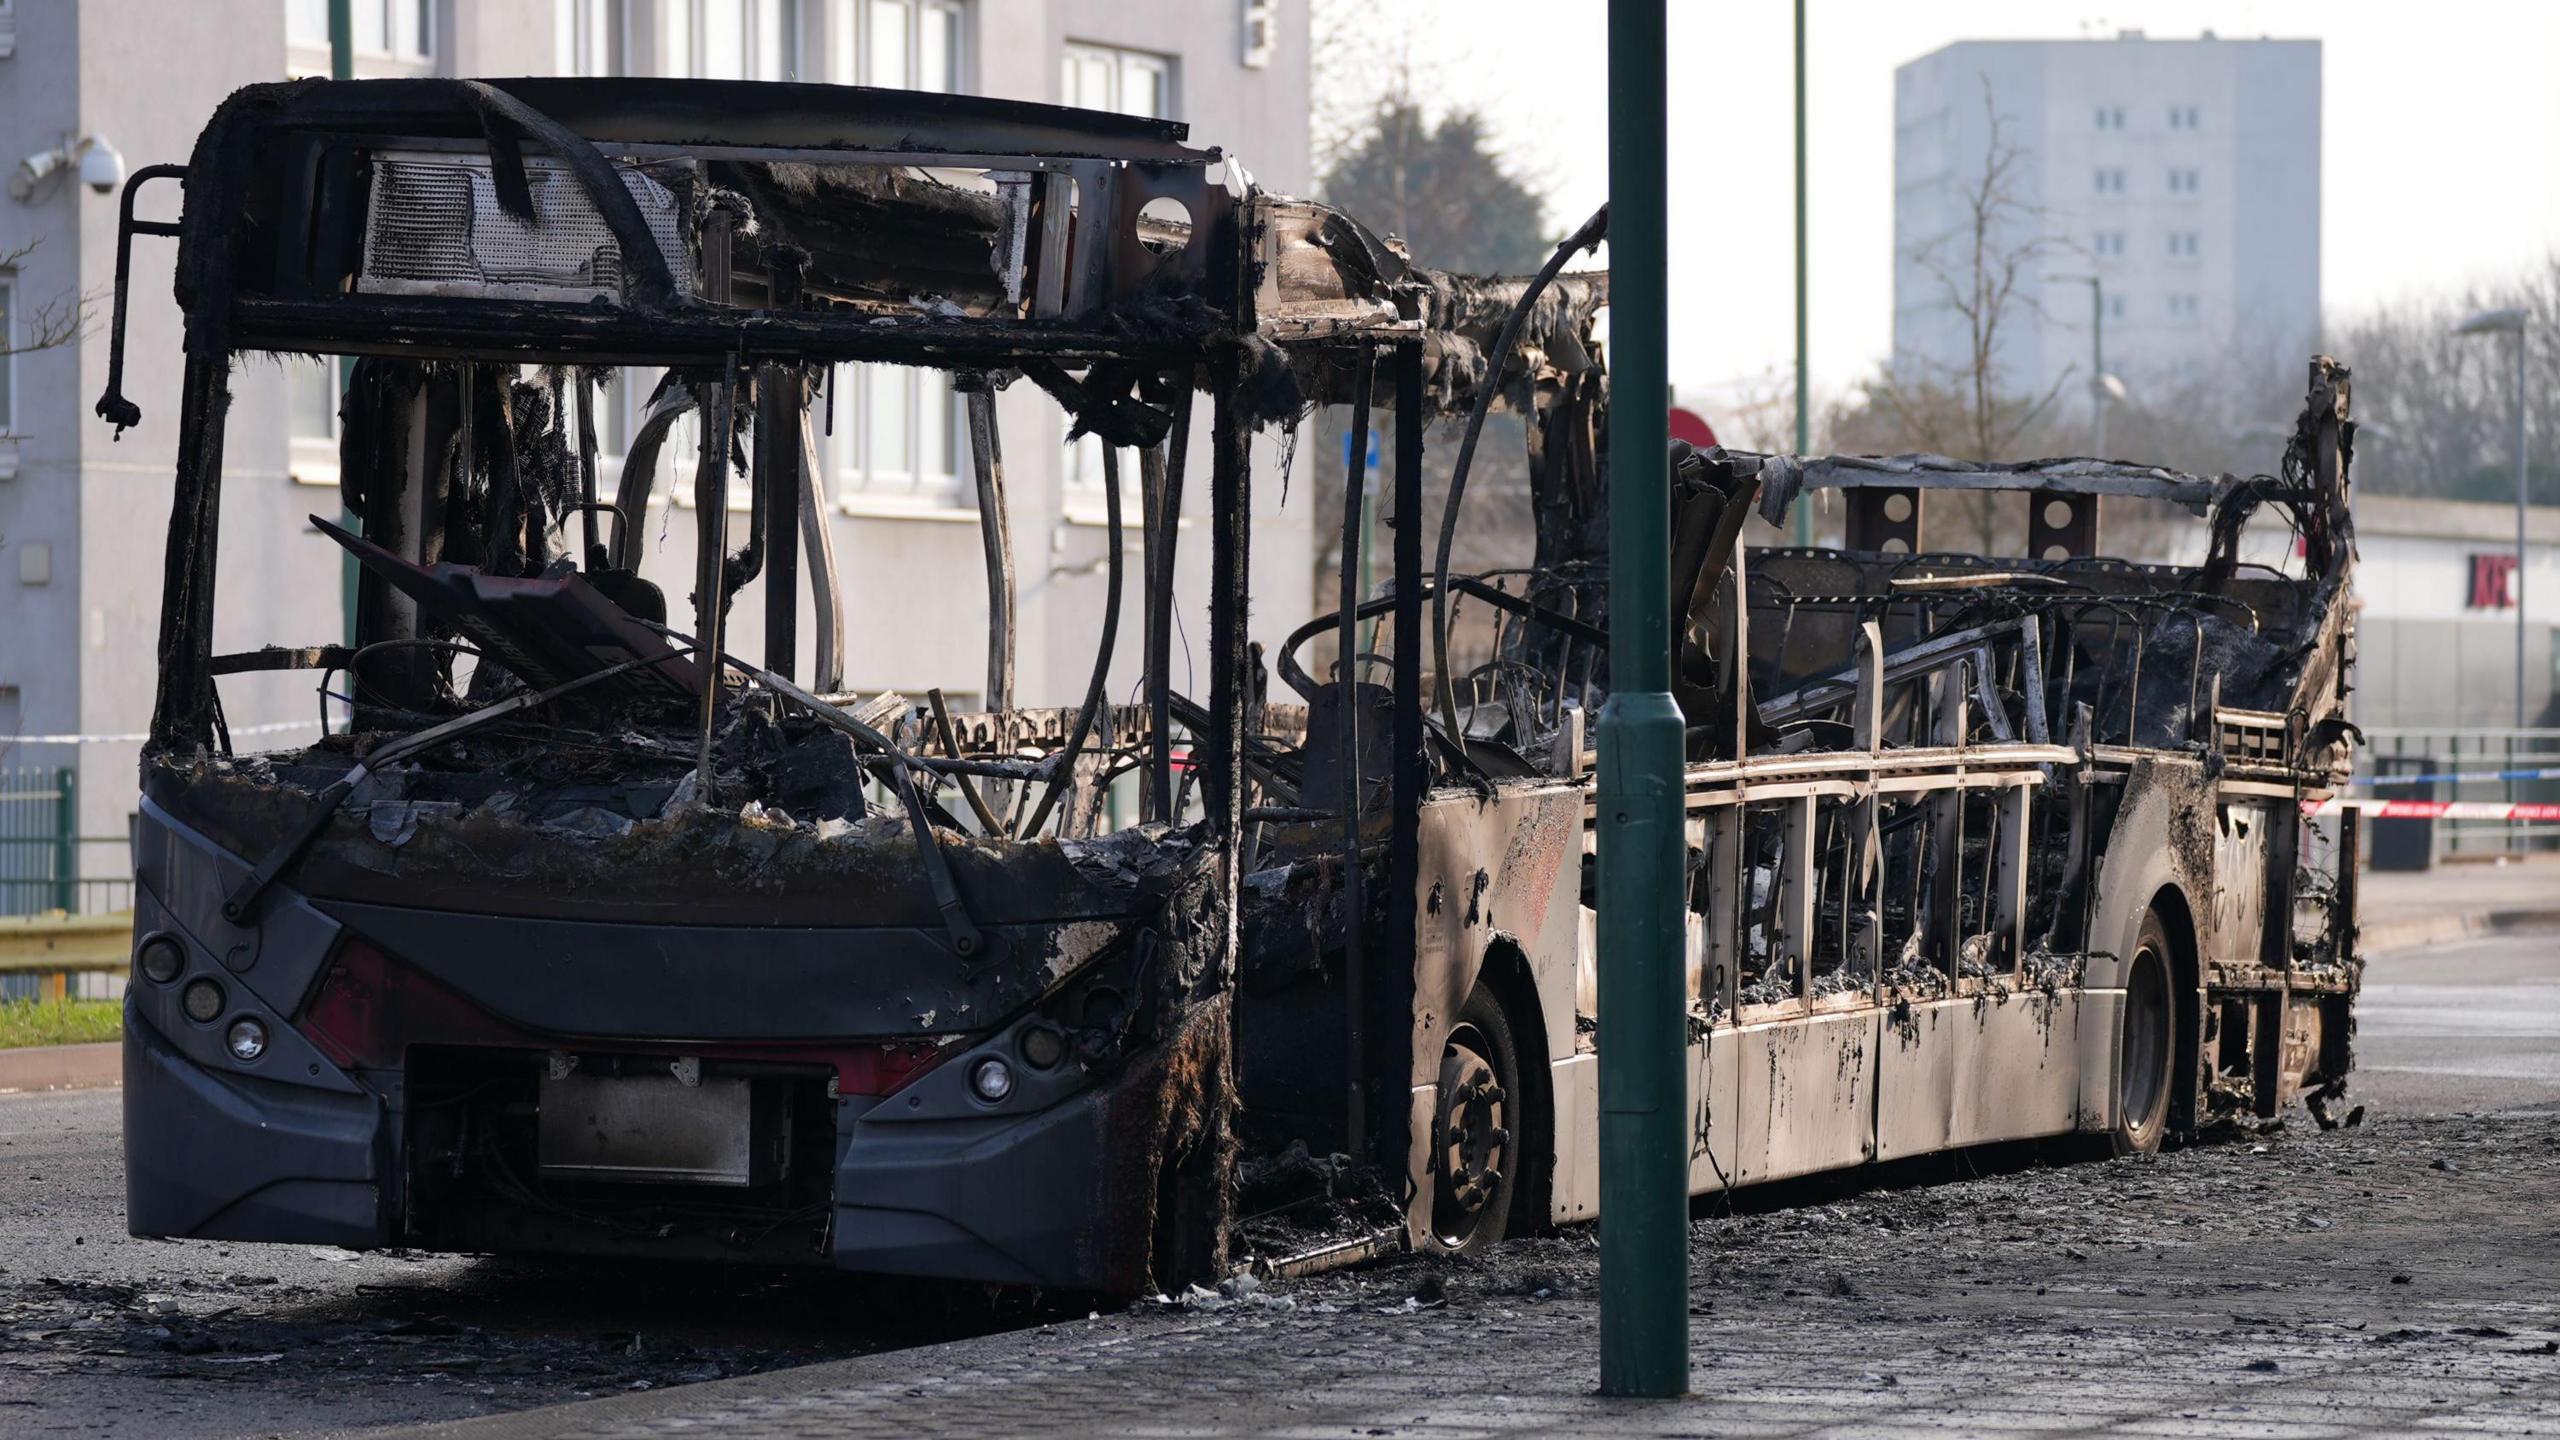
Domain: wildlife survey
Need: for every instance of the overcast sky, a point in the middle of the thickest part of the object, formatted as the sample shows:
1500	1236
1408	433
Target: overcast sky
2440	150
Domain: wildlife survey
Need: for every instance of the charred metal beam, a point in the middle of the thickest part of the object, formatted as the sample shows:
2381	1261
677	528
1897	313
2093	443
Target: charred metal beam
780	394
995	534
710	568
826	586
187	710
1063	777
1230	659
1165	527
1355	907
1389	1002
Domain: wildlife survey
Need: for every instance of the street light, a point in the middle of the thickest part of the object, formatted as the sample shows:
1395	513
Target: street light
2512	320
2104	389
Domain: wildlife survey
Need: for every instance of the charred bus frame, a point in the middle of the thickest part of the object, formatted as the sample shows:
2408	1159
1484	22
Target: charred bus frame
635	946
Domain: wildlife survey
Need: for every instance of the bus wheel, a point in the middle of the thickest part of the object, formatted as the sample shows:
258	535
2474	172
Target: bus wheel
2147	1035
1474	1158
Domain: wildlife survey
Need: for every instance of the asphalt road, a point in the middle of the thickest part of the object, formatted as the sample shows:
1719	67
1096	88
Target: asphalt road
101	1334
2467	1026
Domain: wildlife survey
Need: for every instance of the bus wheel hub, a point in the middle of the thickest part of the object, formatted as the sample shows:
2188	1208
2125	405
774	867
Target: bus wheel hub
1473	1135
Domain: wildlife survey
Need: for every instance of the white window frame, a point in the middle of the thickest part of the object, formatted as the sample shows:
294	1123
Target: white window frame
901	488
312	459
684	26
592	38
2109	180
853	43
1122	61
392	45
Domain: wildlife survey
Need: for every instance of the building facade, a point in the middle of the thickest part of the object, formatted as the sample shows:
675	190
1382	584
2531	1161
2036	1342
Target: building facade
82	517
2439	588
2183	175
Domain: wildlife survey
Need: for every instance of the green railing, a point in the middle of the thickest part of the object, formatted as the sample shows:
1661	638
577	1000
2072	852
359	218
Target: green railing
39	840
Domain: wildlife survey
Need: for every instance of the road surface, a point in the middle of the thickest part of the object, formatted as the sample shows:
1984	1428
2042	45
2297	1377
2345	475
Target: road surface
2235	1250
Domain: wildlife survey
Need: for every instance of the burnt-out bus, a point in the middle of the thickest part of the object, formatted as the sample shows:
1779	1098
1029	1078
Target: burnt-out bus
580	931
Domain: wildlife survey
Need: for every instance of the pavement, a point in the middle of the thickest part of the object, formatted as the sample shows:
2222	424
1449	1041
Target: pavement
2395	1278
61	1067
2401	909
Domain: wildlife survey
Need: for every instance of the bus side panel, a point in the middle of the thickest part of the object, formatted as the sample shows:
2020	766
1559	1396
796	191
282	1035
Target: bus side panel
1575	1083
1807	1090
2017	1068
1715	1110
1916	1077
2162	839
2101	1037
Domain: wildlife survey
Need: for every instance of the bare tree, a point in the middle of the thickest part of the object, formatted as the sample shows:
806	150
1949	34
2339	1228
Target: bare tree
1985	269
2439	409
55	323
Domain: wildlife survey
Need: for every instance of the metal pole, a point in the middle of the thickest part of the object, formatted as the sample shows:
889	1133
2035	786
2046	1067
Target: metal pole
342	66
2524	329
66	840
2098	366
1644	1141
1804	340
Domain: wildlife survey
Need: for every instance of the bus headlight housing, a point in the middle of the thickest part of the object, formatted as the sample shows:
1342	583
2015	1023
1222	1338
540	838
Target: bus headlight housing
991	1079
202	999
247	1040
161	958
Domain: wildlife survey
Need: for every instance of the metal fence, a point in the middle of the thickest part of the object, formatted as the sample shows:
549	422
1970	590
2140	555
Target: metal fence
39	840
45	862
2495	766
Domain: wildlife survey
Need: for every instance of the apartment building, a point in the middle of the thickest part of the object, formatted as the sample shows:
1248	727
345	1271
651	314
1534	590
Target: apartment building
82	517
2182	176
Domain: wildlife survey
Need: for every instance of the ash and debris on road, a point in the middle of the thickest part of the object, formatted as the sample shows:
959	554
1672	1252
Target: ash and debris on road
2271	1239
251	1328
2428	1247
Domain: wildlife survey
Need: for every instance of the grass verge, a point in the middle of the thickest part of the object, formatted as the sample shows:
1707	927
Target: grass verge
70	1022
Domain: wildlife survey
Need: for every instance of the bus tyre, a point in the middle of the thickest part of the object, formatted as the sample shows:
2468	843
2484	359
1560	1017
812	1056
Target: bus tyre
1474	1158
2146	1041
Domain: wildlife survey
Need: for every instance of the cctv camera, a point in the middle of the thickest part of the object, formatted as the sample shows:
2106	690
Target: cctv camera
101	166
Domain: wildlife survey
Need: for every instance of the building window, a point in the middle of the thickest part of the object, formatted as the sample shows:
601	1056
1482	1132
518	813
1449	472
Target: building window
899	44
2185	244
730	39
311	399
897	433
2107	244
2185	117
2183	309
2184	182
396	29
2110	117
1104	77
589	38
2115	306
2110	180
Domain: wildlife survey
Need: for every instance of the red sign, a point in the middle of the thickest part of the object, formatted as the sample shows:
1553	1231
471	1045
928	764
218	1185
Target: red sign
1689	425
2493	582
